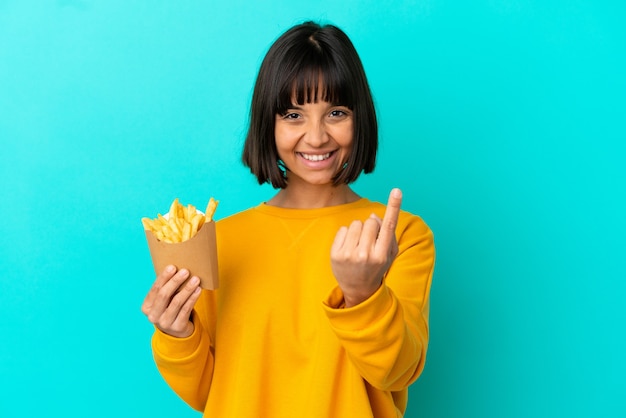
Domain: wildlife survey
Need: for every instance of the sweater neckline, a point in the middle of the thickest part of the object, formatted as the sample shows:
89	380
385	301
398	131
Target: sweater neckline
311	213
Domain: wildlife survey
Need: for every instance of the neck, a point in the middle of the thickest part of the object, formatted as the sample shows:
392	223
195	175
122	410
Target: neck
313	197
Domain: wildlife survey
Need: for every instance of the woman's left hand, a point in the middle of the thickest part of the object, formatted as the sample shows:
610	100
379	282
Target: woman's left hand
362	253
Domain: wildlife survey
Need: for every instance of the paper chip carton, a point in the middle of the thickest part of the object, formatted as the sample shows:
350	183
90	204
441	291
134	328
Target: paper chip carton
198	255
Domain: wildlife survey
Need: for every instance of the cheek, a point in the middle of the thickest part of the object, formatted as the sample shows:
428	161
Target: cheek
281	137
345	137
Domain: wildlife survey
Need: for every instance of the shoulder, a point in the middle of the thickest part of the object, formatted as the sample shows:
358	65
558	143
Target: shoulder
406	220
238	219
413	222
237	216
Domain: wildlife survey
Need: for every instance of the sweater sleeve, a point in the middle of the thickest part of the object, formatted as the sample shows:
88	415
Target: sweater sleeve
386	336
187	364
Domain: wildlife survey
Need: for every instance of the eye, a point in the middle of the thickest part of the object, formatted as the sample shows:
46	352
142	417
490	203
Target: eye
291	116
339	113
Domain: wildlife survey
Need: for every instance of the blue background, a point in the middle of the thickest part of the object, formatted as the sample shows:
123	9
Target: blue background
502	121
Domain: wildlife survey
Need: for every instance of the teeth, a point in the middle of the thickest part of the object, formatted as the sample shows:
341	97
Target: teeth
315	157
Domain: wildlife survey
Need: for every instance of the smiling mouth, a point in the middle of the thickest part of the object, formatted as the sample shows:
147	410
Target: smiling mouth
315	157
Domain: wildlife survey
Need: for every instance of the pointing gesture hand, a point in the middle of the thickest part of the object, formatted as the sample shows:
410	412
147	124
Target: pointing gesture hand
362	253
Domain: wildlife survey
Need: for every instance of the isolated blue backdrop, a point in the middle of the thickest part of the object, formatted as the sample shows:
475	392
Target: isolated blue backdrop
502	121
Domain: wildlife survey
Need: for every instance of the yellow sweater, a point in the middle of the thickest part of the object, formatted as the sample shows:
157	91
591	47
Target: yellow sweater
274	341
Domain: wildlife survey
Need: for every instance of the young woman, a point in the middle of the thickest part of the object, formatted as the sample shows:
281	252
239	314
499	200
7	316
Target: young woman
322	309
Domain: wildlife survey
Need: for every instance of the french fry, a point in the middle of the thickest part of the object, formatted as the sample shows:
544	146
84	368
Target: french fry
210	209
173	212
148	224
161	219
190	213
196	223
181	223
186	231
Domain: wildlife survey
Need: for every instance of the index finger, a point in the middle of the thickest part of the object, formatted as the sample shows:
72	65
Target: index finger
390	220
162	280
165	276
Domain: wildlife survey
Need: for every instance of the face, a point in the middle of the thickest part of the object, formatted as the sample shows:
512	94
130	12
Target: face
314	141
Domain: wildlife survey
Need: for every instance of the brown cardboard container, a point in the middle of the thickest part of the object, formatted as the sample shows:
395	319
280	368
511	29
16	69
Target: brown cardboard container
198	255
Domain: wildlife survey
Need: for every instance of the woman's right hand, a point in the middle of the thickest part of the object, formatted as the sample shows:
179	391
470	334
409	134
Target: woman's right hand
169	308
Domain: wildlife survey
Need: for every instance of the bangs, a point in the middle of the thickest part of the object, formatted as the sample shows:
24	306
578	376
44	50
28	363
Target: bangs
314	78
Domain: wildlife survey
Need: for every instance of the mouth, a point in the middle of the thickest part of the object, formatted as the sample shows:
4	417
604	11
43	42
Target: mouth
316	157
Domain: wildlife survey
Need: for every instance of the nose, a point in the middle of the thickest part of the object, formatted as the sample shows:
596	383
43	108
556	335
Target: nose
316	135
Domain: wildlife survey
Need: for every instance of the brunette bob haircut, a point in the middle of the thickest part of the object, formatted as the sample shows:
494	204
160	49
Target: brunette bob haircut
307	63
